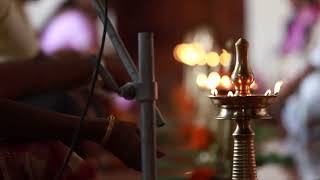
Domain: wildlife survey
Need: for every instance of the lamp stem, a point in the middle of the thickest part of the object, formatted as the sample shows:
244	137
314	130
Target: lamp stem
244	160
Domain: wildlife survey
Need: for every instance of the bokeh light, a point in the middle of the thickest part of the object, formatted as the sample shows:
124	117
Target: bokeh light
190	54
225	58
213	80
201	80
226	82
212	59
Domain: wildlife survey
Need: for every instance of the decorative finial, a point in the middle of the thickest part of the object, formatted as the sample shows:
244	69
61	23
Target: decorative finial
242	76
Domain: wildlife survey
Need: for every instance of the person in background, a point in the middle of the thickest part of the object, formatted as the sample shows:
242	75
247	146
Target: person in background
299	27
300	97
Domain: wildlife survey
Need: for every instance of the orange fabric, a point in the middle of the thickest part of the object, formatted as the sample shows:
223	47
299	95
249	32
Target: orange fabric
200	138
203	173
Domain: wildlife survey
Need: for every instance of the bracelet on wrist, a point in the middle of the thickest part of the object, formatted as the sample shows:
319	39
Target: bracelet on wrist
111	121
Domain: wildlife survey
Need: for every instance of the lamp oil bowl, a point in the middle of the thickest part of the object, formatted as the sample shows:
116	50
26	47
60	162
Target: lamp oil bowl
242	107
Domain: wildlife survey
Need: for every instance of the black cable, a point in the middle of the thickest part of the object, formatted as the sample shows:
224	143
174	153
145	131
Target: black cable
89	98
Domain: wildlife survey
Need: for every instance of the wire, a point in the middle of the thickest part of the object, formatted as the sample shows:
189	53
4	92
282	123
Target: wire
89	98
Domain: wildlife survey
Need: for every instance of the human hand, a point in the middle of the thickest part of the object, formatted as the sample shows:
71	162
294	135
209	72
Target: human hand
125	144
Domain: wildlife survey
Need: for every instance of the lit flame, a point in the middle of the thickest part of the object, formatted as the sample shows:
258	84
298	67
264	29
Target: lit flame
226	82
202	80
230	94
190	54
213	80
277	87
225	58
212	59
268	92
214	92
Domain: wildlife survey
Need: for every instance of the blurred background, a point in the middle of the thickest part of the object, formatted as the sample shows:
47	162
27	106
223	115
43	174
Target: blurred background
194	49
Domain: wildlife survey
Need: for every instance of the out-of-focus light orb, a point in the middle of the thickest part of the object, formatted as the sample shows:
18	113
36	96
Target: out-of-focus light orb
190	54
201	53
185	53
201	80
212	59
225	58
226	82
177	52
213	80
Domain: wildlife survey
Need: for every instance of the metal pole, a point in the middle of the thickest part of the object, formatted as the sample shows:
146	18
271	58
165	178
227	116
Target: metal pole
108	79
147	94
123	52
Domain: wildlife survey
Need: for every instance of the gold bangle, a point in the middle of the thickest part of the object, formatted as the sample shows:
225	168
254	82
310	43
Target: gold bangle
111	123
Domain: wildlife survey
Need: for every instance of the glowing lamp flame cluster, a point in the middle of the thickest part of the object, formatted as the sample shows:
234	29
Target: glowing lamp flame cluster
190	54
213	80
193	54
277	88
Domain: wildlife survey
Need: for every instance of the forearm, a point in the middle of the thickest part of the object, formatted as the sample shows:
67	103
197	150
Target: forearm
40	75
21	122
288	89
291	87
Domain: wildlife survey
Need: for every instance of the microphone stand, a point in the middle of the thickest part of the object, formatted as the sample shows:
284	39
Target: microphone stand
126	91
143	88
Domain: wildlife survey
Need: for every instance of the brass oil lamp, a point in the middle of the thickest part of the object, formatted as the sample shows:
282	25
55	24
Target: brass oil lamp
242	107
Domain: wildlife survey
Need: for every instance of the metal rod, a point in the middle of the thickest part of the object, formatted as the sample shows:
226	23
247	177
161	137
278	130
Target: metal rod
118	43
123	53
147	96
108	79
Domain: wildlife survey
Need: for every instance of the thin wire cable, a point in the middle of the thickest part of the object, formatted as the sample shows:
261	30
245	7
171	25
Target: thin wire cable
89	98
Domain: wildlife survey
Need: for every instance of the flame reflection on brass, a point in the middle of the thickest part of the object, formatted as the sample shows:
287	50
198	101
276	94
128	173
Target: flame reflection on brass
254	86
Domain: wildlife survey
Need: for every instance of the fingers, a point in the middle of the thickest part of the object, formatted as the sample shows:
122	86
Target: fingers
125	144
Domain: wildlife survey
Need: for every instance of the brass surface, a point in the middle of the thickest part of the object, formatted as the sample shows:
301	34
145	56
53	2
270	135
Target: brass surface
242	76
242	108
